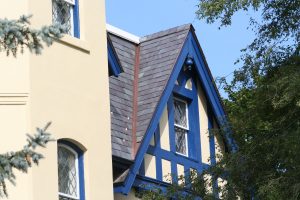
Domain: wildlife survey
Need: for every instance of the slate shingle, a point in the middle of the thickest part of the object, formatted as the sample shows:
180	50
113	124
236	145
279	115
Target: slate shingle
121	97
157	56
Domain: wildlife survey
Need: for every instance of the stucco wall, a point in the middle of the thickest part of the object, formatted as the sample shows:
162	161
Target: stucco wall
203	118
68	85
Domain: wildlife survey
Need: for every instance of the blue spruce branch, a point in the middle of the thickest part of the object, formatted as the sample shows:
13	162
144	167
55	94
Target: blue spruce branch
16	34
23	159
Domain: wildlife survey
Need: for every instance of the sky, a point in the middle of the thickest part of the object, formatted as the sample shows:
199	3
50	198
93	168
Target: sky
221	46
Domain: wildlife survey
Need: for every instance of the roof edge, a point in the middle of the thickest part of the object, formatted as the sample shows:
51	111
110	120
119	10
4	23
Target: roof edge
123	34
166	32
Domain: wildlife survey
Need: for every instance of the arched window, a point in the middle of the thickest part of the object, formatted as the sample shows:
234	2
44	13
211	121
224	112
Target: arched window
70	171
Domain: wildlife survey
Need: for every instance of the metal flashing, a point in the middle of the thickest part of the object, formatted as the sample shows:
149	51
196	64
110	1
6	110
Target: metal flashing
123	34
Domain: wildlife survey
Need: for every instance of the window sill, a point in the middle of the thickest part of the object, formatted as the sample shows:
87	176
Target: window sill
75	43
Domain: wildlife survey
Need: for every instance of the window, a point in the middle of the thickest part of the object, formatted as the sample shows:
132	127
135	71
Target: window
70	172
181	126
65	12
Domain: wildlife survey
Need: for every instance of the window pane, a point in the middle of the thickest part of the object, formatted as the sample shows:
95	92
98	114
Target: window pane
180	113
67	172
62	14
181	140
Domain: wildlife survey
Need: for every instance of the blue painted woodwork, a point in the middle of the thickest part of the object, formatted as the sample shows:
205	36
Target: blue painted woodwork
159	175
190	49
191	96
183	93
76	20
113	61
80	166
177	159
142	169
212	142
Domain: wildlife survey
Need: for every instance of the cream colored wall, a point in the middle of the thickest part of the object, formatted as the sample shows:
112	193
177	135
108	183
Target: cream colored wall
166	170
164	130
68	85
203	118
150	166
180	172
14	110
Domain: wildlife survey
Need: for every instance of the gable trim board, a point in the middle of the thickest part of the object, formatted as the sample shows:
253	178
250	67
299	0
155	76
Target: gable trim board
190	48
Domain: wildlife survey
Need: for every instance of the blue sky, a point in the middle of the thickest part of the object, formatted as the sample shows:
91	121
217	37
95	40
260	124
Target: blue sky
221	47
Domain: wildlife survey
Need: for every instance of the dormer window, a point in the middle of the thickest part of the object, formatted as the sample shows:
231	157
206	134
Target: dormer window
65	12
181	126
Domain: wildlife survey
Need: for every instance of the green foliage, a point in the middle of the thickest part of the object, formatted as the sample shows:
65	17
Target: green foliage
265	118
191	187
16	34
23	159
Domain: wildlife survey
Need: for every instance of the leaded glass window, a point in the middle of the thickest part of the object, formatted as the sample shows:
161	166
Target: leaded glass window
63	13
68	179
181	126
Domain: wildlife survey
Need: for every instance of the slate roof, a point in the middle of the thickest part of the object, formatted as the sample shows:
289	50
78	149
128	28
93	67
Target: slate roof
135	93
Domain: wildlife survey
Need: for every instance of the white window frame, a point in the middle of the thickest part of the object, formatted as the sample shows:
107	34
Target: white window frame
77	173
182	127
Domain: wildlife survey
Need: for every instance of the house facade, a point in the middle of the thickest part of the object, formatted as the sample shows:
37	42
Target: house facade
125	110
68	85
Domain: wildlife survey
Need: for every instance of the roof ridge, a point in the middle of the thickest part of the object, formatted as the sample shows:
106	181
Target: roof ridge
166	32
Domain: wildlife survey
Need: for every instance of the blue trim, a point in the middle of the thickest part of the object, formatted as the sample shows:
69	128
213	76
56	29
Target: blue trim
183	92
211	138
144	183
190	48
113	61
80	166
177	159
159	175
174	171
76	20
170	108
118	189
209	88
142	168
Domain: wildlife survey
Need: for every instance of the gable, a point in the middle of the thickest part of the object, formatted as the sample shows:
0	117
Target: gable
214	110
